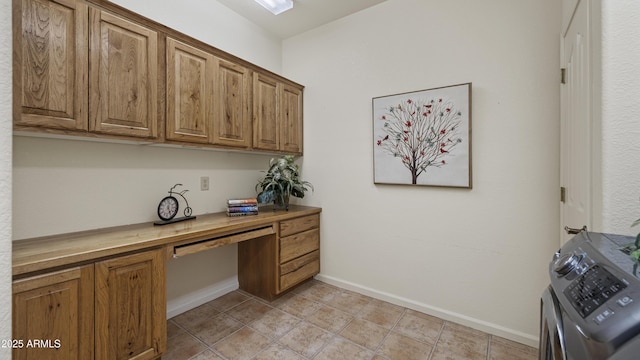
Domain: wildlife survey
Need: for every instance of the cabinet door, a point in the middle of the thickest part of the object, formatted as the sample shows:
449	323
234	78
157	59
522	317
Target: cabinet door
123	77
232	118
291	120
266	134
190	74
56	308
131	306
50	63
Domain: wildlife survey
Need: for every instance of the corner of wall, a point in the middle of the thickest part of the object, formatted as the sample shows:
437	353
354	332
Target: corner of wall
5	170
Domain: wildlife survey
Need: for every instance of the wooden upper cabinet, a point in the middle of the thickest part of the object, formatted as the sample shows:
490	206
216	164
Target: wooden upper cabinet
50	63
232	105
277	111
94	69
130	307
265	112
56	307
190	77
291	120
123	77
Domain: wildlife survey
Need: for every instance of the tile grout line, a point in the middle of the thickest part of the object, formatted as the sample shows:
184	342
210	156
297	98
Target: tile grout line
337	334
225	313
489	347
194	337
435	343
328	297
404	312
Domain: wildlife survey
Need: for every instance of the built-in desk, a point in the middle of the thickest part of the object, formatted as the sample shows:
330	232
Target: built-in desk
102	293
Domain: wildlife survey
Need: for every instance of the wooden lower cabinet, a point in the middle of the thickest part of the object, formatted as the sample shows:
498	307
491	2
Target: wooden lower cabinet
271	265
131	306
113	309
56	311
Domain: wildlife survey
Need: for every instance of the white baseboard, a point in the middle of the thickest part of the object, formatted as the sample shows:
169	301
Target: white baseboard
481	325
194	299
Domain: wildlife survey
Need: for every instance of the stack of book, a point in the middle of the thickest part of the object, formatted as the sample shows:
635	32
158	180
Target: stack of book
242	207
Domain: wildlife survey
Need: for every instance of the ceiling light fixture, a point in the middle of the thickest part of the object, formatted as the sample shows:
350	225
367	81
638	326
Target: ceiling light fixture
276	6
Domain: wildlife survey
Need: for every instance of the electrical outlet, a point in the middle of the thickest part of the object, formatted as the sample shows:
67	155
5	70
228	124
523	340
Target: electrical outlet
204	183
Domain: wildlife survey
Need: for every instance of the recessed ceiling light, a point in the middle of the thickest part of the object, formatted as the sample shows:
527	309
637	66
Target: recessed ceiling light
276	6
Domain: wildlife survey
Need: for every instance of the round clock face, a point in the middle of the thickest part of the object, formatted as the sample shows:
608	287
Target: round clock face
168	208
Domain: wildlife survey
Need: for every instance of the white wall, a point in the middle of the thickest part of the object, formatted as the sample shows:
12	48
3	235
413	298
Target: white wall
5	174
476	256
68	185
620	115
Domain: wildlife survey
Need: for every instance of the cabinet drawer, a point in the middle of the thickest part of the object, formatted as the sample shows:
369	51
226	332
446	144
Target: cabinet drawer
300	274
296	264
299	244
293	226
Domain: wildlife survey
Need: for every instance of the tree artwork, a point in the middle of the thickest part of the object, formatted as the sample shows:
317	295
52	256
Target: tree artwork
422	132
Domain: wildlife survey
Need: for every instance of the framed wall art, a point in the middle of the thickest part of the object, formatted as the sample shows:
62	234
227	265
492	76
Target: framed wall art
423	137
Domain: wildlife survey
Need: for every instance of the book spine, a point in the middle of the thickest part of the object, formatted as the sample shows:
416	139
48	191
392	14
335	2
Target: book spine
242	213
242	209
241	205
242	201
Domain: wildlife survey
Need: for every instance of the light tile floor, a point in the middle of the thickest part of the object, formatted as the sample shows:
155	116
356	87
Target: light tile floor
323	322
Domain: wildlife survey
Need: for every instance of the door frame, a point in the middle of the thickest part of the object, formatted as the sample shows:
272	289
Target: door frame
594	39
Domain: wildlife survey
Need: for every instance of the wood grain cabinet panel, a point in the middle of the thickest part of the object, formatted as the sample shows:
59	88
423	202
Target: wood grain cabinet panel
50	63
295	272
123	77
299	244
277	115
299	250
291	120
56	308
190	78
97	70
232	117
131	306
269	266
293	226
266	135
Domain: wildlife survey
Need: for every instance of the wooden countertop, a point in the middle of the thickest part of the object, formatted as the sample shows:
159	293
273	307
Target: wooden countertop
48	252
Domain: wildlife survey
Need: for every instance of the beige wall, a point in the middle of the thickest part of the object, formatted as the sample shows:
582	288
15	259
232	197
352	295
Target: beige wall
475	256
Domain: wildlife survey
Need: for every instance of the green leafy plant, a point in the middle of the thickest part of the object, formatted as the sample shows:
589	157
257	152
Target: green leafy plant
281	181
636	253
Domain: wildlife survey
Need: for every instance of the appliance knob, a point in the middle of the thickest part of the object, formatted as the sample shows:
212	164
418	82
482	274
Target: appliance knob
566	263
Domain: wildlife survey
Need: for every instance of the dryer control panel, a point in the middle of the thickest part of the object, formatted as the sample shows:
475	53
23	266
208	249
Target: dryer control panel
592	289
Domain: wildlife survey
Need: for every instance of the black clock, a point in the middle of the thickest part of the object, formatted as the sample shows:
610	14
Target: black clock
168	208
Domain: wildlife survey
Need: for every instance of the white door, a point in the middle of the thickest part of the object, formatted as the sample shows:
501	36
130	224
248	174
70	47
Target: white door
576	124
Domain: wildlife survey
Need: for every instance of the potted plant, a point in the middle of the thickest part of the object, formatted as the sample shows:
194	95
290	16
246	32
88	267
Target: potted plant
635	254
281	181
633	249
